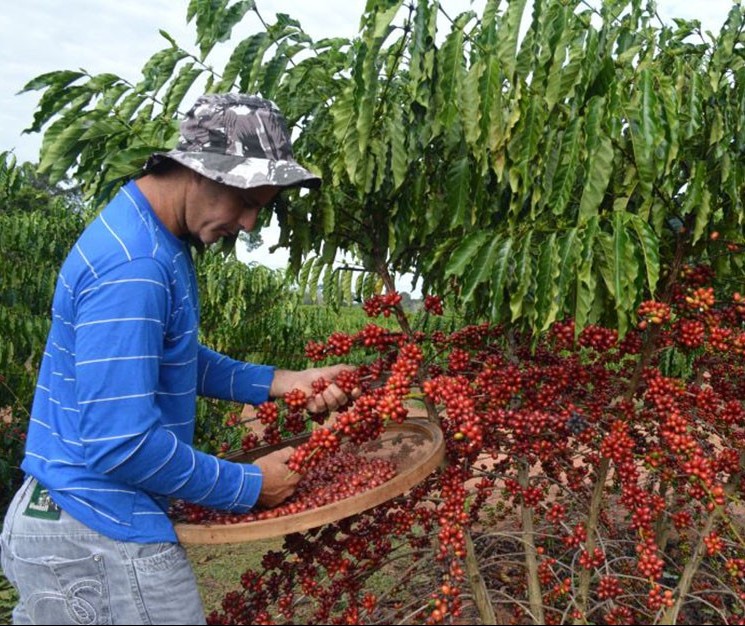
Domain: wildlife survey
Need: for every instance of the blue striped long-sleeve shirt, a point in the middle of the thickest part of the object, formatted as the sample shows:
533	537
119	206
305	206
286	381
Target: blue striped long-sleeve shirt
113	416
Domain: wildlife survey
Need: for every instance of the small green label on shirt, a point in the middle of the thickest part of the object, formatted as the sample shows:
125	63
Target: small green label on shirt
41	505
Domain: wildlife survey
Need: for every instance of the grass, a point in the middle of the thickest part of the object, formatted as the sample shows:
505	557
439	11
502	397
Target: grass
7	600
218	568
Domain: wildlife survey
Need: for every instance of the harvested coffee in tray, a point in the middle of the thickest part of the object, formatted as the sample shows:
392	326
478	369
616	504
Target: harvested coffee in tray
354	479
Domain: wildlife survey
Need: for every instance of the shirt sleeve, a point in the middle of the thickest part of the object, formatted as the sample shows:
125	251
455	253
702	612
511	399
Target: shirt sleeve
227	379
120	324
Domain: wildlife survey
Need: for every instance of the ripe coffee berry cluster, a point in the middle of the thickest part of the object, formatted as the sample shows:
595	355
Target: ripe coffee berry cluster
653	312
381	304
433	305
322	444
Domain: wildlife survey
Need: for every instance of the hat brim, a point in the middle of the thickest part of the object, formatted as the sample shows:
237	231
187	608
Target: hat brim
242	172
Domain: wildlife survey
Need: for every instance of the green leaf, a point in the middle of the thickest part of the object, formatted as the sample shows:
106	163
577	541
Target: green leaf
546	286
422	52
105	127
524	145
586	282
397	134
619	245
159	68
59	100
378	17
243	60
671	108
509	32
345	131
328	255
458	191
367	69
644	125
315	274
599	163
499	277
624	270
169	38
178	88
523	278
471	103
129	104
60	155
566	172
328	215
717	128
330	287
569	247
373	285
126	163
215	20
650	247
346	286
304	275
481	268
492	115
57	79
464	253
451	72
232	16
605	260
703	214
568	55
695	191
359	286
692	111
274	70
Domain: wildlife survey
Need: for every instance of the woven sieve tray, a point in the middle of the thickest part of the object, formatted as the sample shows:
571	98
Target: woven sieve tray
416	447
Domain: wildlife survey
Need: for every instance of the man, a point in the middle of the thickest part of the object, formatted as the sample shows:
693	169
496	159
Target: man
87	539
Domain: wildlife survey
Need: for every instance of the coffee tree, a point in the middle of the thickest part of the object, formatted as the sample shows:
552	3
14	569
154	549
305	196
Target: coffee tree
562	164
578	188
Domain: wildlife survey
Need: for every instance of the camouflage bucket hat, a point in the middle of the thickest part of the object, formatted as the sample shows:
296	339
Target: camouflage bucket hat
238	140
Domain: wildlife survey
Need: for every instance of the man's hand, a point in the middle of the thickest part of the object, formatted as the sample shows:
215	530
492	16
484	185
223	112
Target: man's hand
330	399
278	483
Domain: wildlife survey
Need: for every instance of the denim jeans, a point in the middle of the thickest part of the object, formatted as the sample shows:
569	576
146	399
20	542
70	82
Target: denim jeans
66	573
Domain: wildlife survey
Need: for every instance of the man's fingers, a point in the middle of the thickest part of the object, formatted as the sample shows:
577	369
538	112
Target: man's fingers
282	455
329	399
334	397
278	482
292	479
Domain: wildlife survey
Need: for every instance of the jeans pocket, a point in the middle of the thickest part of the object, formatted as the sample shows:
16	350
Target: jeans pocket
168	587
60	591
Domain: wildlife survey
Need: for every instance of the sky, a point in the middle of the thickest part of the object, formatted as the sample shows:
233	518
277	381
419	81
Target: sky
38	36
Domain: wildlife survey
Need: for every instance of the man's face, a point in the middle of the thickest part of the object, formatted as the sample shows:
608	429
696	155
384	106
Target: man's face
214	210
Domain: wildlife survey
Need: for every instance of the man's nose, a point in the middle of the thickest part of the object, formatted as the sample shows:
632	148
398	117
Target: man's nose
248	219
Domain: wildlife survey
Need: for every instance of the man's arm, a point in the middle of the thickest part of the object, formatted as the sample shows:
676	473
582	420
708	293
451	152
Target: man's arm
228	379
120	325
